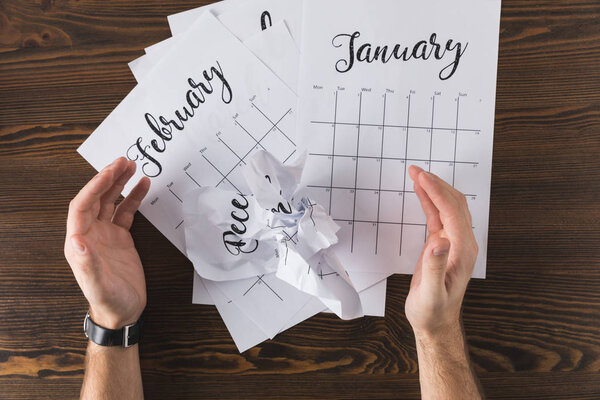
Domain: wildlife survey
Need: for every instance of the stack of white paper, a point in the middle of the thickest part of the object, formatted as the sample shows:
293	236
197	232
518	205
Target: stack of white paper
278	135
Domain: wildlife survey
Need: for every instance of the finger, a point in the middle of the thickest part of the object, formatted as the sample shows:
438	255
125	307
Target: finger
452	207
107	201
434	224
99	185
447	187
126	210
414	172
432	215
434	263
84	208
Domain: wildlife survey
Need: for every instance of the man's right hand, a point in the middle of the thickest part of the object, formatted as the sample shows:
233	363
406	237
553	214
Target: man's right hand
444	269
100	250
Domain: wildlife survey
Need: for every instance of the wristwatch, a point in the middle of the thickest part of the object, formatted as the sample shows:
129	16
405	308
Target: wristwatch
125	337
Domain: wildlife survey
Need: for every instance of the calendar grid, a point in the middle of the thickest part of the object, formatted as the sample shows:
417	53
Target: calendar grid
396	158
436	128
431	133
375	190
225	175
404	180
333	147
260	281
356	170
258	142
378	187
455	141
431	146
380	172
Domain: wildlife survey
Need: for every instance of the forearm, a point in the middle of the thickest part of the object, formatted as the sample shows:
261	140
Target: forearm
112	373
445	370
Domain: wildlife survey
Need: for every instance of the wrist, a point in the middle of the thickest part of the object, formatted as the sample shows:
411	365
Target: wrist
109	320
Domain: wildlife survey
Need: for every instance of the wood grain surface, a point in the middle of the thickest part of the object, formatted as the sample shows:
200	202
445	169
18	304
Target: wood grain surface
533	326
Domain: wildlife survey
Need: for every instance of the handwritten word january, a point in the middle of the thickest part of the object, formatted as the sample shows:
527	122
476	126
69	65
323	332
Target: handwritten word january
423	49
163	127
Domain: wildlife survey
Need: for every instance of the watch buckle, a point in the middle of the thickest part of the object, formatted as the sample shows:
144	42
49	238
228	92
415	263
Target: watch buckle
126	335
85	322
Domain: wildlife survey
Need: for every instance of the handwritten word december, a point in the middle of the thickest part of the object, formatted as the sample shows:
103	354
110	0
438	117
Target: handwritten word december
421	50
163	127
233	243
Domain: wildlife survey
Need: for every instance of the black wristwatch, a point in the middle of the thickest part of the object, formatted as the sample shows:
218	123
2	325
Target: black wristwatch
125	337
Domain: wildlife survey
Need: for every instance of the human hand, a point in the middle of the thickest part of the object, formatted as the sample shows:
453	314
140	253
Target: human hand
100	249
444	269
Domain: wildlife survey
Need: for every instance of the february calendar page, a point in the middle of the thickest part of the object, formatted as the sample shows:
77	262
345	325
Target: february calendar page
194	121
390	85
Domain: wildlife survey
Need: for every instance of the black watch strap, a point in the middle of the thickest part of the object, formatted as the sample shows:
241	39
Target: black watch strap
125	337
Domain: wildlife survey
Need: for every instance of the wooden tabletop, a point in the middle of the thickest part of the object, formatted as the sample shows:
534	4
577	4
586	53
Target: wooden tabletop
533	325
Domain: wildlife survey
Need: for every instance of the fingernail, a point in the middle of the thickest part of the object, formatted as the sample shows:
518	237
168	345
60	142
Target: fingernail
80	248
441	250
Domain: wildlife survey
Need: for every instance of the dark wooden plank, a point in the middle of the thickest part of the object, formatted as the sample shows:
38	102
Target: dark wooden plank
499	386
533	326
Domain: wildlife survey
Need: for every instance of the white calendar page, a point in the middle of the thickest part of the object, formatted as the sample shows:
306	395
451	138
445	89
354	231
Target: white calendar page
365	121
227	105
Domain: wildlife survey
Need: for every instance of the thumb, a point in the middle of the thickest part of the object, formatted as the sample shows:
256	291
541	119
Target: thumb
80	255
435	260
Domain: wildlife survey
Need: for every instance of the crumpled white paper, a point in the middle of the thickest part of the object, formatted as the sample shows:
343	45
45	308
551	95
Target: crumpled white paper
274	228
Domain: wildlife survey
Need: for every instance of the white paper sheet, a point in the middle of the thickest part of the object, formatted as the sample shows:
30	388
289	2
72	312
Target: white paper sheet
246	21
253	16
275	48
157	50
247	334
184	20
268	301
180	22
273	227
247	110
373	299
245	18
365	123
283	50
200	293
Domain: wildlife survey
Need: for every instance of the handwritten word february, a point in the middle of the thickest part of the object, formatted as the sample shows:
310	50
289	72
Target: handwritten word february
163	127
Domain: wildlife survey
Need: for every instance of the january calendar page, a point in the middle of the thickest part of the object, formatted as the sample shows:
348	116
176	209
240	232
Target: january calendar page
390	85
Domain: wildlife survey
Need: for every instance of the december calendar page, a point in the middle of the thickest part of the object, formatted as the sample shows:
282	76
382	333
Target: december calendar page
384	85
